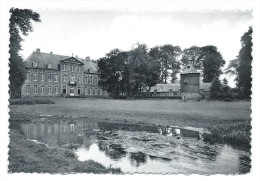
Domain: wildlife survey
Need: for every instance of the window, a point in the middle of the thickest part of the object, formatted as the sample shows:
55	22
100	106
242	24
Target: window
28	76
49	89
34	64
86	80
185	82
72	79
42	77
49	77
35	89
79	79
72	127
27	89
64	77
56	77
49	66
96	80
35	76
91	91
72	68
79	68
100	92
64	67
42	89
56	89
86	91
91	80
96	91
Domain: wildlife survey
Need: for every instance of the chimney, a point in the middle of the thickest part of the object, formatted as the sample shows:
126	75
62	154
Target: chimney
38	51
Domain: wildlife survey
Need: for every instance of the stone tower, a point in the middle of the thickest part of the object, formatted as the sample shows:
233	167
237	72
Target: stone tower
190	82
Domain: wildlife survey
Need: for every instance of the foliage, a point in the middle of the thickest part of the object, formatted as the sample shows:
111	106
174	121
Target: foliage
245	61
20	22
241	66
167	55
110	69
127	73
215	89
207	59
234	132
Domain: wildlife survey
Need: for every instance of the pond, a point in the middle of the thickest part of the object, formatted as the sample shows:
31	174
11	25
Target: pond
139	148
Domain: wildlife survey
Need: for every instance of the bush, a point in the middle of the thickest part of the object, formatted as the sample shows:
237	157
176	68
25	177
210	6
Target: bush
30	101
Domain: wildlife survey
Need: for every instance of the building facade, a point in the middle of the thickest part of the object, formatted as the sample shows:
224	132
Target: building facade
50	74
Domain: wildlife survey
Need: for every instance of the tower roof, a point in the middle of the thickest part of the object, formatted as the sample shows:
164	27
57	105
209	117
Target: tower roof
190	69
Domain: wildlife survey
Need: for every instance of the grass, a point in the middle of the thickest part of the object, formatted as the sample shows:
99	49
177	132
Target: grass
27	156
228	121
235	133
30	101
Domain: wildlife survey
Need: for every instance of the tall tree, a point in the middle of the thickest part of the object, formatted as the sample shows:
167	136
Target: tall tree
245	60
167	55
110	69
20	21
208	60
212	63
138	64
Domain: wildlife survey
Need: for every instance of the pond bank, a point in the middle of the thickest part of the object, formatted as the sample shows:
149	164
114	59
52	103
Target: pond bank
28	156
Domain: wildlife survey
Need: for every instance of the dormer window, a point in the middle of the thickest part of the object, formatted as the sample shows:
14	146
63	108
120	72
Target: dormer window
34	64
49	66
188	67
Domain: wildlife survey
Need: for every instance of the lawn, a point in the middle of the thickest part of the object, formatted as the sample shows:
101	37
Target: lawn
166	112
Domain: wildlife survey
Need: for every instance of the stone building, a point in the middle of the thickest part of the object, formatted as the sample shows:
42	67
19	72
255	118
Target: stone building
50	74
190	86
190	82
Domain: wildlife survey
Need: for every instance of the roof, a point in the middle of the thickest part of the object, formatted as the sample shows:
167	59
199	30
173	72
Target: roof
205	86
43	59
165	87
176	87
190	69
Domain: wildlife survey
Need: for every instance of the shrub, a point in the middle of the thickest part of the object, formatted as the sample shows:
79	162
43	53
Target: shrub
30	101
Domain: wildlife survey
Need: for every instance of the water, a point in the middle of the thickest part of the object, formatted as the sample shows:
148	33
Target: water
139	148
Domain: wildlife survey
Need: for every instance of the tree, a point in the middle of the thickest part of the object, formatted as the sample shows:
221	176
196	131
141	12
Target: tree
139	68
110	70
167	55
231	70
212	63
225	86
215	89
20	21
245	60
208	60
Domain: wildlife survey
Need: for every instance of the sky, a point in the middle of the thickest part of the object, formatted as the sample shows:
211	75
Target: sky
94	33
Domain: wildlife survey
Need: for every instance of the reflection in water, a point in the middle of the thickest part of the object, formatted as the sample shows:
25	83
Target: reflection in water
135	148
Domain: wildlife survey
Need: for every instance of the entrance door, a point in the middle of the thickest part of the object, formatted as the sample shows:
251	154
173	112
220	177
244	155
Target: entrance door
64	90
72	91
79	90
